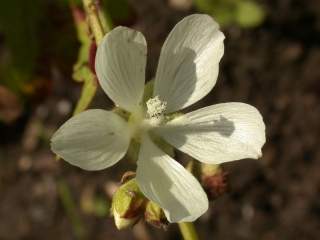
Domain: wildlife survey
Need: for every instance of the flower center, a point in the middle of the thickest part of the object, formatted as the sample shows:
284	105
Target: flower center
155	111
155	107
141	121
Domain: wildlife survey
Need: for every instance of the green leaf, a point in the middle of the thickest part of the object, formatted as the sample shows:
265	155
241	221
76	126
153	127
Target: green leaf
116	10
101	206
249	14
70	208
20	23
223	11
245	13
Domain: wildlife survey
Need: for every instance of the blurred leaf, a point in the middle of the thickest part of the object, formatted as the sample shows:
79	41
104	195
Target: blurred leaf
70	208
94	204
245	13
224	15
102	206
249	14
205	5
68	2
20	24
221	10
117	11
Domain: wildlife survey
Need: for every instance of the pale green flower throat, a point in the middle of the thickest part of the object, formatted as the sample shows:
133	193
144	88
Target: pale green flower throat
142	121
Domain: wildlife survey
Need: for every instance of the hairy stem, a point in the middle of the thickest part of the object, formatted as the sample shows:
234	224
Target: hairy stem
188	231
94	20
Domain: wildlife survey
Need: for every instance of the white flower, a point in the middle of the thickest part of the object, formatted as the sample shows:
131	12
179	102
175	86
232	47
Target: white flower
187	71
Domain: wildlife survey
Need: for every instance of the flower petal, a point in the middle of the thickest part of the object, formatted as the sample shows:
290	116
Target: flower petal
189	62
167	183
92	140
120	66
218	133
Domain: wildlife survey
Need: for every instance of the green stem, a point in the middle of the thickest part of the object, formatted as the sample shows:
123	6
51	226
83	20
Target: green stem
70	208
94	20
188	231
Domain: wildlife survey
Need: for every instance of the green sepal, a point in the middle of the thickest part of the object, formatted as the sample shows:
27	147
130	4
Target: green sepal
155	215
121	113
148	90
128	204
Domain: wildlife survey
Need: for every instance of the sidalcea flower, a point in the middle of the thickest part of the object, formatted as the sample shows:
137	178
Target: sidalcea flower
187	71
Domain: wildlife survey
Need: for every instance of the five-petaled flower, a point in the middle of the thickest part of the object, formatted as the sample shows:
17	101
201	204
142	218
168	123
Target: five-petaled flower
187	71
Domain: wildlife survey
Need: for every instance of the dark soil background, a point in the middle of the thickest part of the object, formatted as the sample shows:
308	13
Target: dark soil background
275	67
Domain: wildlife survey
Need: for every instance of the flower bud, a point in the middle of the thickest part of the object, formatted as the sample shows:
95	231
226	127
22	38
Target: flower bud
214	180
155	215
128	204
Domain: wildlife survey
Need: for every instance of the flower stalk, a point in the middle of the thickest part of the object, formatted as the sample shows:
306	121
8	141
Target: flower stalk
188	231
94	20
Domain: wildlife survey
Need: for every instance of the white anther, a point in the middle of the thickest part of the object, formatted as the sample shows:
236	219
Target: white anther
156	107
